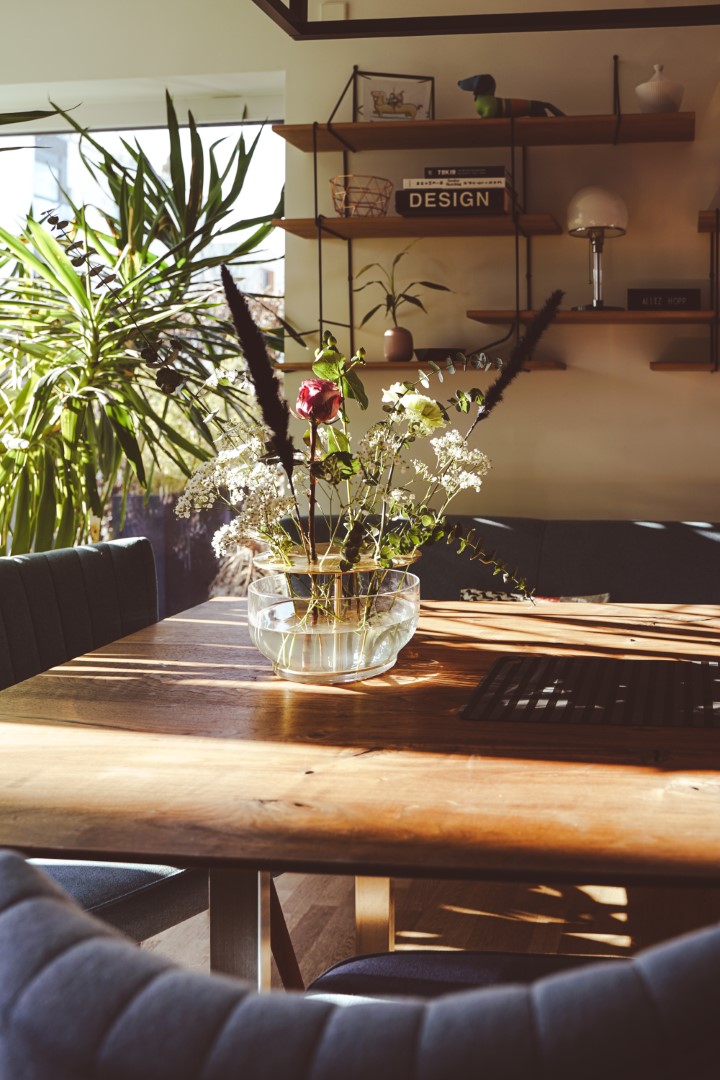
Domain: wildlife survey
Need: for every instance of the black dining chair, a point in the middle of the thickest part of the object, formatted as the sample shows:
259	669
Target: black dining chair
76	1001
429	973
57	605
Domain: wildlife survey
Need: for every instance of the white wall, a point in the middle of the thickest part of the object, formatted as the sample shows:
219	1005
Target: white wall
606	438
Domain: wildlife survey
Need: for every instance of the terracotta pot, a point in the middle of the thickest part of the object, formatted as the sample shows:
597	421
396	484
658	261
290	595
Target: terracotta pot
398	344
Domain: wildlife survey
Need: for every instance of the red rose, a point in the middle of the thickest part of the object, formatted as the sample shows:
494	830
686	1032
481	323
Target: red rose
318	400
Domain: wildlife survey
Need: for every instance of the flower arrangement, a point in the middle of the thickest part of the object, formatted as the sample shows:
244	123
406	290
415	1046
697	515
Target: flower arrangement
379	505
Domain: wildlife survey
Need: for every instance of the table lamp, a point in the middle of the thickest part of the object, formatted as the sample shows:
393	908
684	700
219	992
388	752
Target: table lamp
596	214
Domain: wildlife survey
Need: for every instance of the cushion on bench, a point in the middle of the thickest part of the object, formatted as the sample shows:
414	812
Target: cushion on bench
652	562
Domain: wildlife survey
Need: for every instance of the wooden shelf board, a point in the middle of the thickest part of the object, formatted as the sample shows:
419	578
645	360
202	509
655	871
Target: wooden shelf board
473	133
544	365
681	365
394	226
602	318
707	221
416	365
385	365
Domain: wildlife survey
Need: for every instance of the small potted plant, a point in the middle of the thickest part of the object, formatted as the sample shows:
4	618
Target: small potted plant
398	342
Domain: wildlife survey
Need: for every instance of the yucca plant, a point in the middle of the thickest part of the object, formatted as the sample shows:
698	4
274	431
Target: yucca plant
113	340
177	218
25	117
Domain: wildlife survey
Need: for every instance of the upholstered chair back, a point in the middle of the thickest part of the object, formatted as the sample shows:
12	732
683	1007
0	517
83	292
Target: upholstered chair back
57	605
77	1002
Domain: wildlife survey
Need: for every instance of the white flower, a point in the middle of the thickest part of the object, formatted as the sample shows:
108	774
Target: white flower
458	467
423	414
239	478
380	444
200	491
230	372
395	392
259	519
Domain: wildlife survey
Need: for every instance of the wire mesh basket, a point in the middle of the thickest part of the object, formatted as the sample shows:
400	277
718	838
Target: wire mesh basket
361	196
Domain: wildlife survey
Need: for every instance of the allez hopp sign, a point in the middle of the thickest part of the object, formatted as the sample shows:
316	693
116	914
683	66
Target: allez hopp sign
663	299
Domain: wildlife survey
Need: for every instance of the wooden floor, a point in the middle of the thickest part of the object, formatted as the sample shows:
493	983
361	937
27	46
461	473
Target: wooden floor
590	920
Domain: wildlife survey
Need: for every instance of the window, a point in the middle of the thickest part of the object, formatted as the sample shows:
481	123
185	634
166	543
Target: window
37	176
49	173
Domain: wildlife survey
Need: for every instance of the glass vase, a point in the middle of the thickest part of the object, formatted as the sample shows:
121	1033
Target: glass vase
333	627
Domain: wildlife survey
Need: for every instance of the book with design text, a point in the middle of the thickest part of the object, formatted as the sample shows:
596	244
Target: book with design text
438	172
457	181
429	201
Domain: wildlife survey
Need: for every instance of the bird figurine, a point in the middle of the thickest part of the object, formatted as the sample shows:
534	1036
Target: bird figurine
488	106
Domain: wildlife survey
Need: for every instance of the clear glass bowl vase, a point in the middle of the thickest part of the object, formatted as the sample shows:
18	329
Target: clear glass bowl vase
333	627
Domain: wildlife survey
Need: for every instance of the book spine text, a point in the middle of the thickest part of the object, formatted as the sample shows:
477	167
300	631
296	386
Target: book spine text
452	201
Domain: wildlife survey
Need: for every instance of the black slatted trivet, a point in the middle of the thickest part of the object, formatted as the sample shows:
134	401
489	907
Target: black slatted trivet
599	690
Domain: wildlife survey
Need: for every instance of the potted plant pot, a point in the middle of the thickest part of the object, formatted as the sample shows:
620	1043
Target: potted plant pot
398	344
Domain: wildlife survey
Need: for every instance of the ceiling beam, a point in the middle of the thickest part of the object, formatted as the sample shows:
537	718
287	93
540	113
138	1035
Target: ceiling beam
285	18
292	19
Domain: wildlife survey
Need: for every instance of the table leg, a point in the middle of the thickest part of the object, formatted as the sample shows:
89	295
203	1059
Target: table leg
374	915
240	925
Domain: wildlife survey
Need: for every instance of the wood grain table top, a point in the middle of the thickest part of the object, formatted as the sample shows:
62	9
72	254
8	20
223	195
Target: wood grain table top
179	744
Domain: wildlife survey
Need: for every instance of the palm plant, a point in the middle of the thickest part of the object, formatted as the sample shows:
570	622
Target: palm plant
25	117
395	295
113	338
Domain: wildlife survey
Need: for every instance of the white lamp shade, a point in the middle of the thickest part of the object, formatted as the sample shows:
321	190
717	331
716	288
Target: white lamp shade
594	208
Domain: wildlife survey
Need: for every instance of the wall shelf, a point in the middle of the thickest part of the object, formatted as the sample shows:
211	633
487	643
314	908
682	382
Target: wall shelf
603	318
682	365
416	365
364	228
474	133
618	318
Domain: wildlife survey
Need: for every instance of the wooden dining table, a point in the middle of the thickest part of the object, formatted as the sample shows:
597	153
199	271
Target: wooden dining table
178	744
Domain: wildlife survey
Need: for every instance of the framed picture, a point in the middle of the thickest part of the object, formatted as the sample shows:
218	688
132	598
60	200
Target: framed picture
379	95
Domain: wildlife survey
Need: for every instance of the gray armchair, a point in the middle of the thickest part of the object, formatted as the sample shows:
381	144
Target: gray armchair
78	1002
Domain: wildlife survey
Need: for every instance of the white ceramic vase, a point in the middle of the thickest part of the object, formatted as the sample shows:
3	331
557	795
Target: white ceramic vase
659	94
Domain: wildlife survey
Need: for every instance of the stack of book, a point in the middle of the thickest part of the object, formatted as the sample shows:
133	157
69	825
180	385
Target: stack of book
456	189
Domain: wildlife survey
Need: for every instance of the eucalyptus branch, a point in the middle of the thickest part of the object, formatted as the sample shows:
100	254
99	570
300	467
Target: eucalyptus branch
80	253
474	542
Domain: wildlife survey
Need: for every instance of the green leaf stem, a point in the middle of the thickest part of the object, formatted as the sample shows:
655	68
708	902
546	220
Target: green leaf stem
395	295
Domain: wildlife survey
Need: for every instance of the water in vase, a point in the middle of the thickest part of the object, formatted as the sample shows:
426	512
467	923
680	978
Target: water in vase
306	646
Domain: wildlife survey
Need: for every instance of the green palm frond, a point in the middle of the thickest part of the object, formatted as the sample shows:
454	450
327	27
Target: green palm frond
100	319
